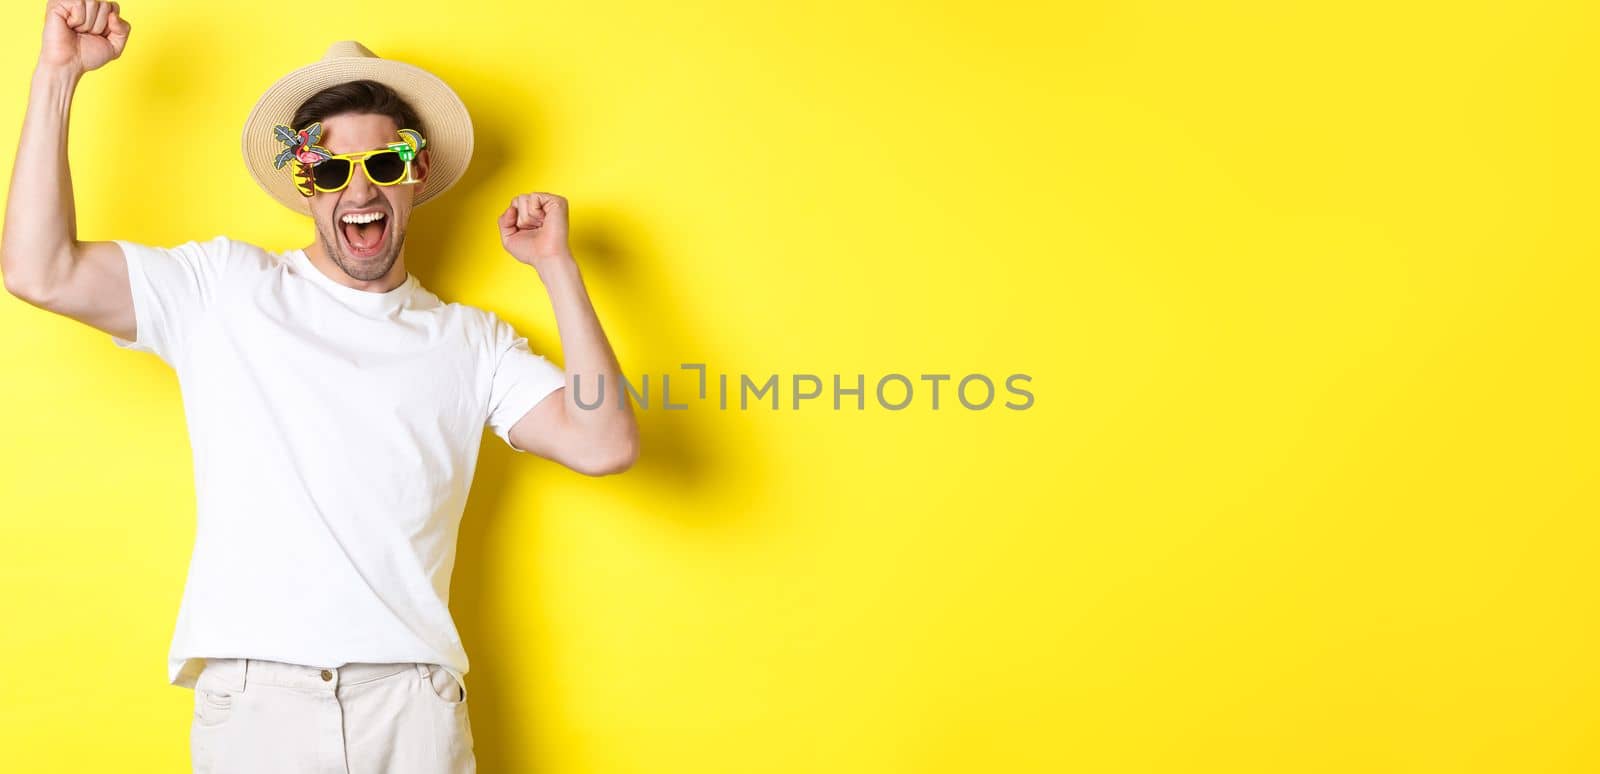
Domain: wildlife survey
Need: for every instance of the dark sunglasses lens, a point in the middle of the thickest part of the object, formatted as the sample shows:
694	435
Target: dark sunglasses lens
331	173
386	167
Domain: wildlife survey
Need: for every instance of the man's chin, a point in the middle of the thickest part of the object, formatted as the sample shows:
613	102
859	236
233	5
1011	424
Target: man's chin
366	269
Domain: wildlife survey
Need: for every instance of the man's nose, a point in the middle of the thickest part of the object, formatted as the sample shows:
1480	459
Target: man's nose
361	190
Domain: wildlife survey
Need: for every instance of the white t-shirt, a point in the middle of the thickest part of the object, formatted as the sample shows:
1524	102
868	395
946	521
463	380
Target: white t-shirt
335	433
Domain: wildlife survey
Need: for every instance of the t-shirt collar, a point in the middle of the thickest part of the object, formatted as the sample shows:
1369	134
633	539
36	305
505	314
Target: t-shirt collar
364	300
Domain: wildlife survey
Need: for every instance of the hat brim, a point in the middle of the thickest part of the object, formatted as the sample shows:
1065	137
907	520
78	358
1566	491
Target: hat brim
446	125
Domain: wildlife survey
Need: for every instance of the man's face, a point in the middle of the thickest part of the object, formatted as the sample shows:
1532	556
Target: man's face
364	251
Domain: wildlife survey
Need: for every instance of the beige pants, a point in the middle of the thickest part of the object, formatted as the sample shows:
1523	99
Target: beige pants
268	716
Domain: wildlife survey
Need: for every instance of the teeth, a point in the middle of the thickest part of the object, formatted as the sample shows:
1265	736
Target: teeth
363	218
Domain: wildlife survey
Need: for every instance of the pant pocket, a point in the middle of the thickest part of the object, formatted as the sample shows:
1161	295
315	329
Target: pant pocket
212	710
445	687
213	704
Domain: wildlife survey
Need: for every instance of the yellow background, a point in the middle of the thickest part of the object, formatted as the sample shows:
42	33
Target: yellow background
1307	295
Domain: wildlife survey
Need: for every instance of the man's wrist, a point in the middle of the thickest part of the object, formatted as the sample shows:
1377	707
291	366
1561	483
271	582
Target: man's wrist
558	271
554	262
57	74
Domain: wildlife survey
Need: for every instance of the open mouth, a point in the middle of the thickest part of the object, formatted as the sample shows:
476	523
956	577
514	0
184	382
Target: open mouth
364	232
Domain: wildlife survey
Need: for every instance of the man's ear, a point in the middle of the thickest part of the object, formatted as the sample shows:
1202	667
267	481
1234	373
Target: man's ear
419	165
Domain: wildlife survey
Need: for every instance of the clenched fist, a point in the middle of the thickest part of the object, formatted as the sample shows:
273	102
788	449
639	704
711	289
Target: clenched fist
534	228
81	35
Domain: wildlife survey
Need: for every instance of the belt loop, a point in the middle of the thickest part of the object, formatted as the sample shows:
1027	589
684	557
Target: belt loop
244	675
230	672
422	671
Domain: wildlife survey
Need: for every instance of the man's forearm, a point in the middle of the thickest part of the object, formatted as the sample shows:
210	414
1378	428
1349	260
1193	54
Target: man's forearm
588	355
41	222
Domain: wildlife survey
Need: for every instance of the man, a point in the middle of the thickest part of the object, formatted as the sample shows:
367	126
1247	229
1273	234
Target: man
334	405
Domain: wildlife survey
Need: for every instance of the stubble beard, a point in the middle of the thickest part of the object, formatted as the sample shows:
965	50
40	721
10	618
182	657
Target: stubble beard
375	268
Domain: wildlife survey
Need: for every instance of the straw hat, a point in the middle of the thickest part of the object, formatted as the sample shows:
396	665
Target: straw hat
445	123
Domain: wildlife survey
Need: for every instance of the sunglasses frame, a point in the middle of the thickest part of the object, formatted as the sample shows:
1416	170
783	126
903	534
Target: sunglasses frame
360	159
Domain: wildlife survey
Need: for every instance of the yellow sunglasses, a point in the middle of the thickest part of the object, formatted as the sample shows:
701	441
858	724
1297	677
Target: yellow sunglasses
321	170
383	167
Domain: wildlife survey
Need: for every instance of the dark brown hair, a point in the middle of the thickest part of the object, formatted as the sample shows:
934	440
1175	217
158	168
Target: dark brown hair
358	97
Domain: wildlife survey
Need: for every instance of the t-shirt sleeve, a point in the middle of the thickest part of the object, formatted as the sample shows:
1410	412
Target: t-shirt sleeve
173	287
521	379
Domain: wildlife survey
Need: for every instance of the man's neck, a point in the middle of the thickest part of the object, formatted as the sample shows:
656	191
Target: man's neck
325	264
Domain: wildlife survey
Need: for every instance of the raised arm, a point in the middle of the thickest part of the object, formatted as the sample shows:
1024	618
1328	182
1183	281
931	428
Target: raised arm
40	255
600	439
